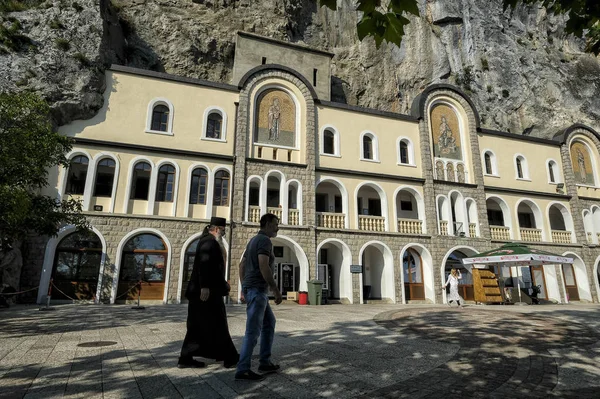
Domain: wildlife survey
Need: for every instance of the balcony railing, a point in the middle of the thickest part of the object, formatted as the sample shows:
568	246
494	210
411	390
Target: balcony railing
443	227
410	226
561	237
500	232
294	217
473	229
533	235
331	220
254	213
371	223
275	211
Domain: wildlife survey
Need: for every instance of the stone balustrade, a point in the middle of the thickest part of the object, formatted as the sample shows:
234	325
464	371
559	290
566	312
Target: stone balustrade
331	220
276	212
371	223
473	229
293	217
500	232
254	214
443	227
533	235
410	226
561	237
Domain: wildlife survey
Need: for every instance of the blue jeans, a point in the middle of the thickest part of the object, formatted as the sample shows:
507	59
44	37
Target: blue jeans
260	321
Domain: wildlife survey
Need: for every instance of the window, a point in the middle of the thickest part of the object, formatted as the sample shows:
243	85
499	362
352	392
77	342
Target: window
406	205
76	175
404	159
165	183
198	191
526	220
315	77
105	175
495	217
374	207
519	168
367	147
488	164
322	203
141	181
254	194
328	142
522	171
338	204
214	125
144	258
551	173
160	118
221	193
273	198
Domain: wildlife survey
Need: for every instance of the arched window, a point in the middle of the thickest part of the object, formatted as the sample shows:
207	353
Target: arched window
521	167
221	193
141	181
199	183
553	172
214	126
404	157
105	176
165	183
328	142
160	118
367	147
76	175
488	164
77	265
188	261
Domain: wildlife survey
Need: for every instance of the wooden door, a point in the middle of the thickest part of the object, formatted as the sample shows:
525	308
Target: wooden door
570	282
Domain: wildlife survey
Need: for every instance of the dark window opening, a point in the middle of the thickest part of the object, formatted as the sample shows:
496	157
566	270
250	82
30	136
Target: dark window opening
488	164
77	175
495	217
374	207
160	118
315	77
165	184
404	152
198	191
105	175
519	169
254	196
338	204
214	125
526	220
406	205
322	203
264	60
328	142
141	181
221	193
367	147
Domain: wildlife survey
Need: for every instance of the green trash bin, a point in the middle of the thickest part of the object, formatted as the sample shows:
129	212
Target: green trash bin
315	292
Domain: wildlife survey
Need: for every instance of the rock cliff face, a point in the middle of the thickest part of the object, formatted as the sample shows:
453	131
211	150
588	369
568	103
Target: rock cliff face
520	70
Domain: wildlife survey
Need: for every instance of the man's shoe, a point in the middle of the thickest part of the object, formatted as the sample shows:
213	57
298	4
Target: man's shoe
185	364
269	368
249	375
231	362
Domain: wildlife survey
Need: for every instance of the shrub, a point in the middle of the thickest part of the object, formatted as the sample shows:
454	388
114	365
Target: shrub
484	64
56	24
11	38
489	88
62	44
83	60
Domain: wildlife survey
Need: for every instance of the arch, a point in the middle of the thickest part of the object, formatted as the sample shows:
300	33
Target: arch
118	259
575	161
553	171
458	223
492	164
410	151
48	264
443	213
418	105
298	117
282	184
583	284
188	185
298	200
212	184
566	215
448	144
467	250
588	226
300	256
184	248
374	146
345	277
428	274
154	183
97	159
262	201
420	206
218	110
344	193
387	276
472	217
276	67
132	165
537	213
336	141
521	166
153	103
65	170
382	197
506	214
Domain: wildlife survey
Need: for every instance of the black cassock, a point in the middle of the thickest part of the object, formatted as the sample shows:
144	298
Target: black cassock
207	330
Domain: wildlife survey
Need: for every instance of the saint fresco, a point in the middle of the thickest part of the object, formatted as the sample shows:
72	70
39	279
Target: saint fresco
582	164
446	134
276	119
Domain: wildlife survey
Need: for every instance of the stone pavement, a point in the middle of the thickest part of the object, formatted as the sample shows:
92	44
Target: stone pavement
335	351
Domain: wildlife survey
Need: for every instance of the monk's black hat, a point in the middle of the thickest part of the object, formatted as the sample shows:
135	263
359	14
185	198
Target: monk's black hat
217	221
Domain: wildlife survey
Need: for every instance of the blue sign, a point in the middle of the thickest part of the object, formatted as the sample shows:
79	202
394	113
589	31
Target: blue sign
356	269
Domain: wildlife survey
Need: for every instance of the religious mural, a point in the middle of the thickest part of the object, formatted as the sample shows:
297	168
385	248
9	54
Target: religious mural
446	135
275	119
582	164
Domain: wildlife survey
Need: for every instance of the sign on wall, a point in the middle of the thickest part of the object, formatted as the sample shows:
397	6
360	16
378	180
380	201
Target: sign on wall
356	269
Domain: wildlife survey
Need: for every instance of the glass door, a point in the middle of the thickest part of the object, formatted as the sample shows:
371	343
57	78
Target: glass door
570	282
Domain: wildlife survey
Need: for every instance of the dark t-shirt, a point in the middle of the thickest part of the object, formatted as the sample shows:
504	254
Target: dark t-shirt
259	245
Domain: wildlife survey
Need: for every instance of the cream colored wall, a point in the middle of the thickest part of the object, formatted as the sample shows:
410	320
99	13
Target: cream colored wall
124	114
543	204
139	206
299	153
389	188
537	156
350	125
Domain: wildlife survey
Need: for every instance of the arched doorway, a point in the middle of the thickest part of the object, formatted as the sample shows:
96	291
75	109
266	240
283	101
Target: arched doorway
575	277
188	266
454	261
412	271
76	267
291	265
570	283
337	256
378	272
143	259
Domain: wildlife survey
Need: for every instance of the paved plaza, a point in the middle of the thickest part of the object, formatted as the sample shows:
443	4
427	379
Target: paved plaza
335	351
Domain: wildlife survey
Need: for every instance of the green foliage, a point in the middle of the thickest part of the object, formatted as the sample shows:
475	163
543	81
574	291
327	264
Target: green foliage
83	60
520	41
29	147
489	88
466	78
583	18
484	64
383	23
56	24
11	38
62	44
505	93
17	5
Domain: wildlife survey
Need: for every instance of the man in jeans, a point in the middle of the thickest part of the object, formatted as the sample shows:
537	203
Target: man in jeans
256	276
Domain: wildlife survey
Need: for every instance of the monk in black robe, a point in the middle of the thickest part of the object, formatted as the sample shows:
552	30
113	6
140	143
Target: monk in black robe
207	330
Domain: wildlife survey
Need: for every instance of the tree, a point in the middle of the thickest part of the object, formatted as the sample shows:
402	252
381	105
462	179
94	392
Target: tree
384	20
29	146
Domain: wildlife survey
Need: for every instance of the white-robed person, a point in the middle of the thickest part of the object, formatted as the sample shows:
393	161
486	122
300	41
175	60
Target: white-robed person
452	279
